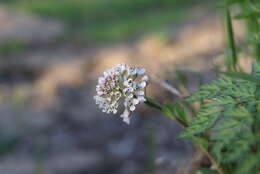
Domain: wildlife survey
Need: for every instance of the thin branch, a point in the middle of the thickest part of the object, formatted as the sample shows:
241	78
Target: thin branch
166	86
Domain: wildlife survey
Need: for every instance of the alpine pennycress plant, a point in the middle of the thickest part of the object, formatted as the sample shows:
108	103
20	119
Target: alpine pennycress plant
226	128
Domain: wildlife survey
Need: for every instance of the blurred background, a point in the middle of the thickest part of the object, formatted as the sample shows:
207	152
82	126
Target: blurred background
51	54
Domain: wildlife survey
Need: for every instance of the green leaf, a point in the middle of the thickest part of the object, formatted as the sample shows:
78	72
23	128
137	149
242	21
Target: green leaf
256	67
248	164
208	171
220	101
254	38
202	142
175	111
168	110
252	25
200	124
240	113
243	76
247	14
232	59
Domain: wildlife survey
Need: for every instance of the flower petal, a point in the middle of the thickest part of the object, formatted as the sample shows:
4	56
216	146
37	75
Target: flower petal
142	84
125	116
140	71
145	78
132	108
135	101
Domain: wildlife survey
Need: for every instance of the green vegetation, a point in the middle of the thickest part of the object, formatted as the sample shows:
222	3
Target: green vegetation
109	20
12	46
225	124
228	120
7	144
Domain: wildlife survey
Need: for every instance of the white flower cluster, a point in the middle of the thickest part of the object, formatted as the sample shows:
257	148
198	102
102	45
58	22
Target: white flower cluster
121	82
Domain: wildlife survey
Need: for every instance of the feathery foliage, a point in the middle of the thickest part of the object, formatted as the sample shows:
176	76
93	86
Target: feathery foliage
227	126
230	115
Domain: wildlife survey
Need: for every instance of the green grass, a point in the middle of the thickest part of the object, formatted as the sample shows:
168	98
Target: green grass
12	46
78	11
119	30
109	20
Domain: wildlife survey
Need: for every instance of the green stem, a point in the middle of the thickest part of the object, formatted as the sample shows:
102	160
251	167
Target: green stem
253	29
232	52
212	160
153	104
158	106
252	26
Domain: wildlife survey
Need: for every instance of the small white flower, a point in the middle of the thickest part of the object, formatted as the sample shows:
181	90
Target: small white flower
142	84
125	116
140	93
140	71
145	78
121	83
135	101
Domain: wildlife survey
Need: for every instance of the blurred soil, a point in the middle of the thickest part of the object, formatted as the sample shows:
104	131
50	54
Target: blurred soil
49	121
